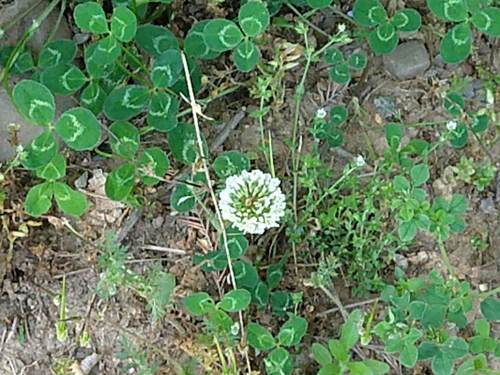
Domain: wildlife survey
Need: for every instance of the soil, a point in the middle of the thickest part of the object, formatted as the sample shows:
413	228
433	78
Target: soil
43	250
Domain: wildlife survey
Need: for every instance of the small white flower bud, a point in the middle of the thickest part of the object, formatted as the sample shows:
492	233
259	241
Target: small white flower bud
359	161
341	27
451	125
321	113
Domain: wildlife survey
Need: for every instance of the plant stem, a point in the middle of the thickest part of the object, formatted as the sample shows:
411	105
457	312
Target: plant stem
4	76
444	257
305	20
195	110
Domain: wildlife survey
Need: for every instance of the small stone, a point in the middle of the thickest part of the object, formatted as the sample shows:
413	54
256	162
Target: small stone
385	106
422	257
487	206
408	60
483	287
401	261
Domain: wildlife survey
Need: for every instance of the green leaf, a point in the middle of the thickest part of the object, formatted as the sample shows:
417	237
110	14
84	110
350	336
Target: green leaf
278	362
401	184
126	102
442	365
120	182
23	63
79	129
407	20
409	355
123	24
333	136
69	201
454	104
448	10
321	354
338	350
259	337
57	52
246	56
235	300
472	365
63	79
407	230
488	21
39	199
280	302
479	123
35	102
253	18
155	40
384	39
459	136
334	56
153	165
368	367
419	174
40	151
340	74
455	348
260	294
292	332
393	134
490	308
162	112
54	169
275	273
182	198
456	45
124	139
318	4
338	115
358	60
369	12
245	274
183	144
222	35
458	205
349	335
194	43
167	69
230	163
197	303
98	66
90	16
93	97
427	350
236	242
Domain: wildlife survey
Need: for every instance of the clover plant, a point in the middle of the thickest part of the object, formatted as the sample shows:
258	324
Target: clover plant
381	29
456	45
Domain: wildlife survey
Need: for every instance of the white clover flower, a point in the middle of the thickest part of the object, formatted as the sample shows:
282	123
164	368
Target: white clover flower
341	27
252	201
321	113
359	161
451	125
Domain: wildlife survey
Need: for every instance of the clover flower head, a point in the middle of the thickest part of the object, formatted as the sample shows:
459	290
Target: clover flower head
451	125
359	161
252	201
321	113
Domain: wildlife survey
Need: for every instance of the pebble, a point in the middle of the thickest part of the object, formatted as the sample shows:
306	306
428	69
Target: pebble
385	106
487	206
408	60
422	257
401	261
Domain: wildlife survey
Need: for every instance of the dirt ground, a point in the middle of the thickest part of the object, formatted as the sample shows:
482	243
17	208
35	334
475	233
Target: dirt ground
31	273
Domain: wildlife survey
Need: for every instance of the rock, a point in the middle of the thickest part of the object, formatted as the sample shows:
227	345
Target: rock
487	206
401	261
18	8
385	106
8	113
408	60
